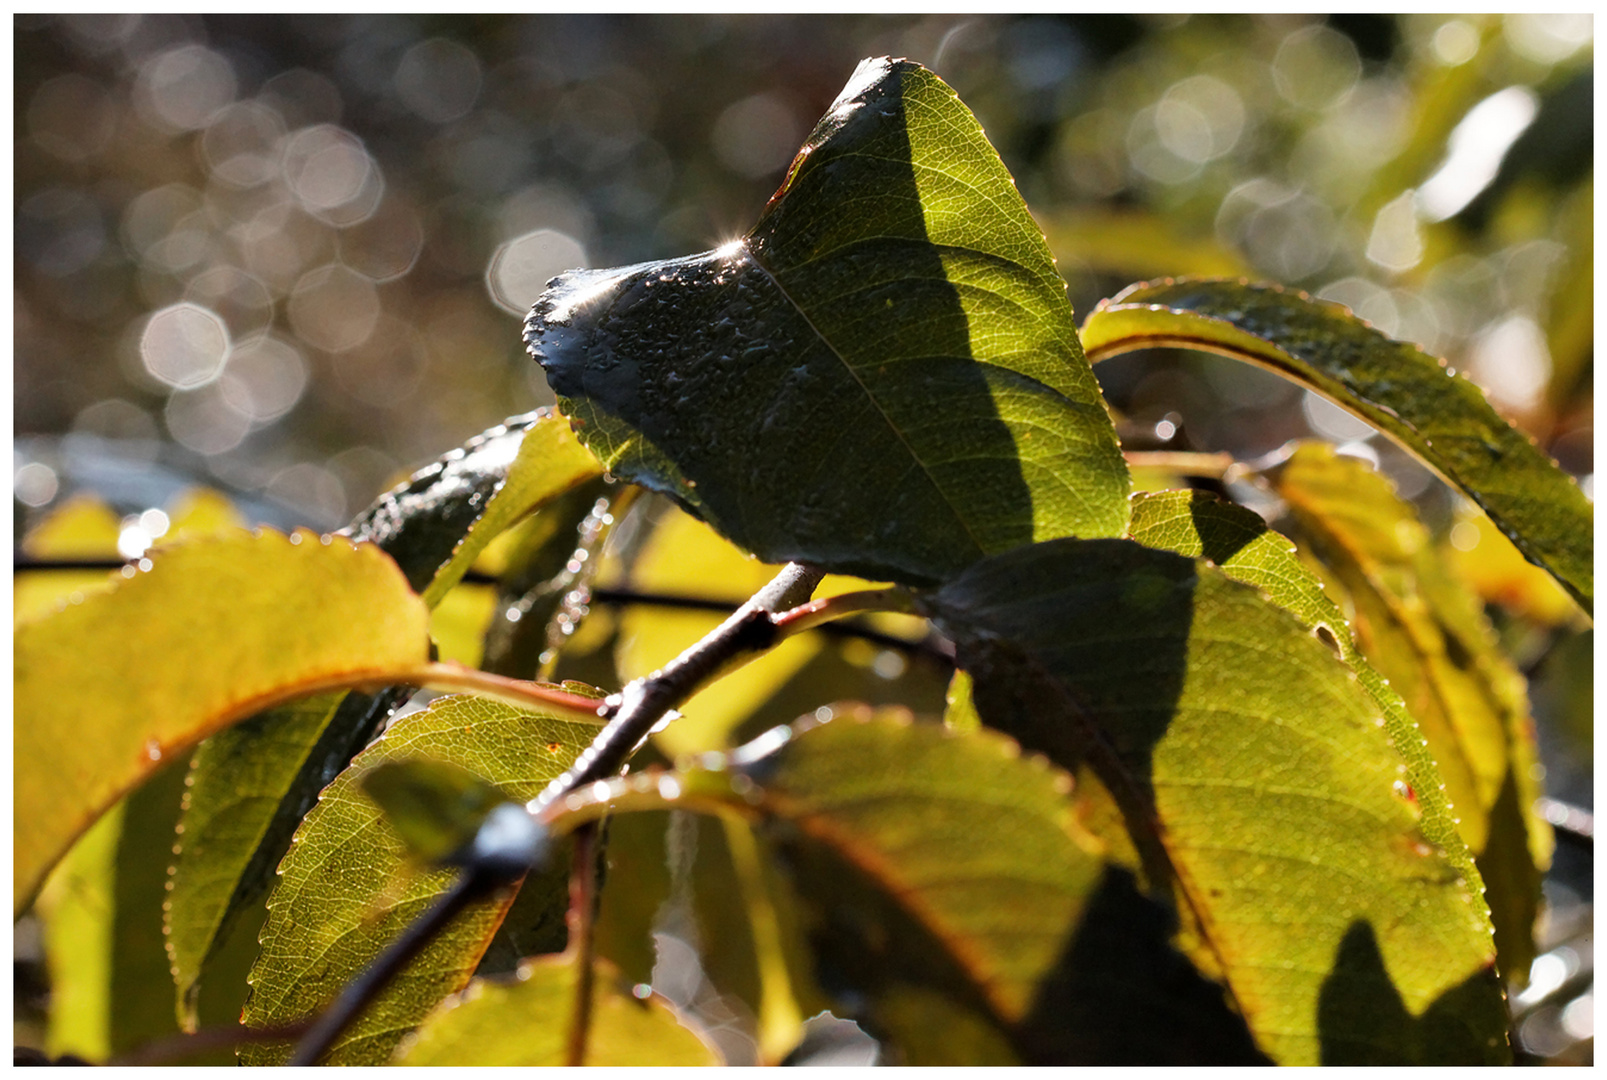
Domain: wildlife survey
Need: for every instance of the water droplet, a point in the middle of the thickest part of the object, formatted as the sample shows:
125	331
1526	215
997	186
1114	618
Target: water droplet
153	750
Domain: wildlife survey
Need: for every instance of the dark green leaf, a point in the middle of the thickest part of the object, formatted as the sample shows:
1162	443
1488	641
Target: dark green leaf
347	887
1414	398
436	523
1231	759
882	378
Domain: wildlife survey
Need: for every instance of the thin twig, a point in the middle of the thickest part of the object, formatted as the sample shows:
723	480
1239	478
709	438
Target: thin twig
817	613
582	921
1183	462
641	705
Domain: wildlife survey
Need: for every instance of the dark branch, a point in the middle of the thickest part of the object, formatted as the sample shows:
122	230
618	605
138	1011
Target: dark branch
641	705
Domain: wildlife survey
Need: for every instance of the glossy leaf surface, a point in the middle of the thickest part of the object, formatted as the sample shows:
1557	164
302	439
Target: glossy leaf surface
1414	398
882	378
1424	630
108	688
1230	758
526	1021
347	887
445	515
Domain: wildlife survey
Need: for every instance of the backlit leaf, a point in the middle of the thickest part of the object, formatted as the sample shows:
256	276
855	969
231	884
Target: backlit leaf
944	891
1425	631
1232	760
525	1021
252	784
441	519
1414	398
882	378
1238	542
434	806
109	687
225	852
347	887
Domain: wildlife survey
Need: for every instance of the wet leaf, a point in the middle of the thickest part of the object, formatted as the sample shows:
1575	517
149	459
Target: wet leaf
224	855
882	378
441	519
526	1021
1231	759
1424	630
1414	398
108	688
347	888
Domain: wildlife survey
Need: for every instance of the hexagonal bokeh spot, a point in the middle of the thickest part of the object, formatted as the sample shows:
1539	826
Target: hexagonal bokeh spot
184	346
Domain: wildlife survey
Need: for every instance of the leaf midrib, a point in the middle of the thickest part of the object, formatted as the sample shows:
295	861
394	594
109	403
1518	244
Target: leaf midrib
898	433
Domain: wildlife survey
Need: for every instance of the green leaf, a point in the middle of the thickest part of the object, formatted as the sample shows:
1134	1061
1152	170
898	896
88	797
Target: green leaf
251	785
550	560
526	1022
1230	758
436	807
636	883
347	887
225	853
1239	543
108	688
1424	630
444	516
882	378
103	928
943	887
1412	397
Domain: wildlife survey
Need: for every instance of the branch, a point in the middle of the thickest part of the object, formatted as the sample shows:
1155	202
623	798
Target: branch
511	842
635	710
582	931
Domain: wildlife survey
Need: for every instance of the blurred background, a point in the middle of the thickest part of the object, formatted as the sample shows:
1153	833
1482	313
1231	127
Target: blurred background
287	257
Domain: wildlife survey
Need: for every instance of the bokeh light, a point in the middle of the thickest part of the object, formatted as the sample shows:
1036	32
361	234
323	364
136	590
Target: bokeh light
184	346
522	267
315	246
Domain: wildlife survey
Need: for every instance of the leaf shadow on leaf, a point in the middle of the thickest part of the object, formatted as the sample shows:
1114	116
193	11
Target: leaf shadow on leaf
738	368
1362	1020
1018	693
1119	981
